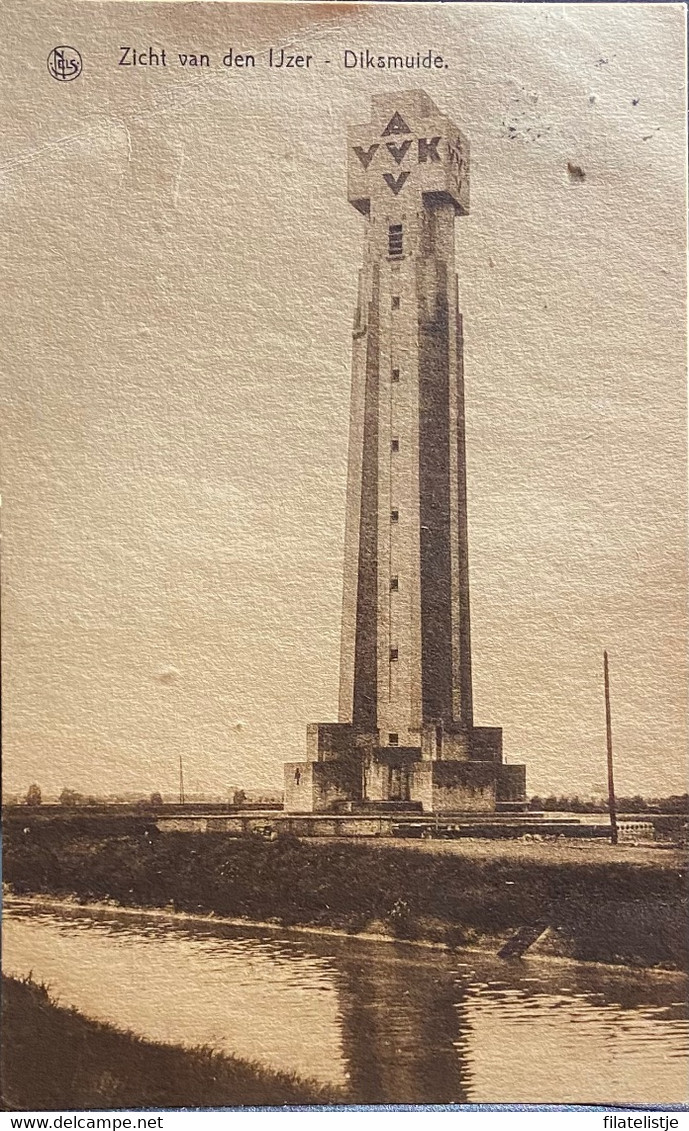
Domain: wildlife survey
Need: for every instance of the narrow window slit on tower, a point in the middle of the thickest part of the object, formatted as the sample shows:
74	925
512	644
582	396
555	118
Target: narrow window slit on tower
393	739
394	516
395	375
395	445
394	584
394	654
395	302
395	240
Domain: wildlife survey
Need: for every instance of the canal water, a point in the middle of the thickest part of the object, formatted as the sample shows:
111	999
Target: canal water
383	1022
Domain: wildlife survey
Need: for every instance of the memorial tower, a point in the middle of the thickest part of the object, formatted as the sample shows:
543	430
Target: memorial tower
406	730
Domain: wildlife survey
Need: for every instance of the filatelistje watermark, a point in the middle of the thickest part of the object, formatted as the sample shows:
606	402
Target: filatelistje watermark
640	1122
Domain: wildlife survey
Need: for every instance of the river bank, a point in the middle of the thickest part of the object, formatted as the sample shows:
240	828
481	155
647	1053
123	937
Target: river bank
548	949
54	1058
619	912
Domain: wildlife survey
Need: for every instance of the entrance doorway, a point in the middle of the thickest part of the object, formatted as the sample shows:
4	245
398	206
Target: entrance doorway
398	783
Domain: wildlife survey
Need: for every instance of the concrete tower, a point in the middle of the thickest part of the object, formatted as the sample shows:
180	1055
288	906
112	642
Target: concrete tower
406	730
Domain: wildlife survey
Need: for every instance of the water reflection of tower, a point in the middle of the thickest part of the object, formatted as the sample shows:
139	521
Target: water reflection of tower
404	1030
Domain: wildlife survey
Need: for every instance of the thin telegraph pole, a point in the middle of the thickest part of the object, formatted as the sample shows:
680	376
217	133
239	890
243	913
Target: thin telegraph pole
181	782
608	733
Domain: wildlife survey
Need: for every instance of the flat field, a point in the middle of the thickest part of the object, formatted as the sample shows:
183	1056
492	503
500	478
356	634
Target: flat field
529	851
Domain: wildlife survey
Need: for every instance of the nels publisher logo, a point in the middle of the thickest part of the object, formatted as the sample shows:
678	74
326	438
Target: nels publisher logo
65	63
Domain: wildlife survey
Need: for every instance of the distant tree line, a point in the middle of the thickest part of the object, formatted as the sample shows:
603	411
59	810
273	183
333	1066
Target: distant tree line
71	798
564	803
567	803
33	795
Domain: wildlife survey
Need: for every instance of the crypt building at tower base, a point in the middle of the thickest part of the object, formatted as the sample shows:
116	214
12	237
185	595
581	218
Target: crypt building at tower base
406	733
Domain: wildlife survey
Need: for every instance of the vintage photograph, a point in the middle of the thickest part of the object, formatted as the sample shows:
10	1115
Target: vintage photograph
344	554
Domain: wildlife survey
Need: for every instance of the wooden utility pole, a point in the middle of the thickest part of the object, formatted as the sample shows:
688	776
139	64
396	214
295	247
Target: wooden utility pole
608	732
181	782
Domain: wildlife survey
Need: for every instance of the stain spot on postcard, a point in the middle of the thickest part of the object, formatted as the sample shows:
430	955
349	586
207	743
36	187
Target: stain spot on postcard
575	173
167	675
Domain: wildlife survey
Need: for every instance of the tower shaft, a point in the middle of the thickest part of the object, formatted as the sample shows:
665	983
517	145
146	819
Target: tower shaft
406	653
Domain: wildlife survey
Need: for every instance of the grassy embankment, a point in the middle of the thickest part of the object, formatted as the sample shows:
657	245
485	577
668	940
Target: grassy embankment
54	1059
618	911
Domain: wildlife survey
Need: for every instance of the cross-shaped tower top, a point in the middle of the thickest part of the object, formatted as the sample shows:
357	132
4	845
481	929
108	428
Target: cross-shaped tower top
409	148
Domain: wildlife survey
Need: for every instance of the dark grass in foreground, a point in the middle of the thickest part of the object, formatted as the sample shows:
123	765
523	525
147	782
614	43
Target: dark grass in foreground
55	1059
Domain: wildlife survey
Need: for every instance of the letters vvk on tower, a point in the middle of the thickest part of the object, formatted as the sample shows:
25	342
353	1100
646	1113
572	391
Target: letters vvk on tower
406	735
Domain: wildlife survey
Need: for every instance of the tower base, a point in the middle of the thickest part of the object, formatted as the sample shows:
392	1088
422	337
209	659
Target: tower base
347	771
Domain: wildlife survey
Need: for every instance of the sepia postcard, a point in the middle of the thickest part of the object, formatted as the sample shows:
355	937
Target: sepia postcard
344	571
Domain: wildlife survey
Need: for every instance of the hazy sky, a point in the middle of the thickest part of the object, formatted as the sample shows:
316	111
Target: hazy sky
177	309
